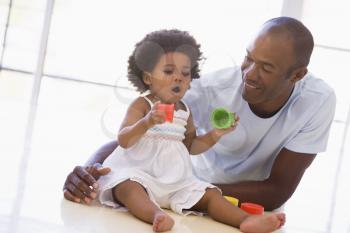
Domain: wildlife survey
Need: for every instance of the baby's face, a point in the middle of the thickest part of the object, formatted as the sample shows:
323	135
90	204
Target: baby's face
171	77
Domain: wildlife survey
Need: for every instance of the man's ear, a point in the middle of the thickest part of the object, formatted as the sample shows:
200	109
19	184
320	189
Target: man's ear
146	77
298	74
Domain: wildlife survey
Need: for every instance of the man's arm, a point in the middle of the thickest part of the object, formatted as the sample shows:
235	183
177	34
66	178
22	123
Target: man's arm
77	185
102	153
272	193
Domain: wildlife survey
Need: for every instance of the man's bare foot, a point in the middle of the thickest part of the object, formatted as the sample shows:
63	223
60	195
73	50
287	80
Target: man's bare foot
263	223
162	222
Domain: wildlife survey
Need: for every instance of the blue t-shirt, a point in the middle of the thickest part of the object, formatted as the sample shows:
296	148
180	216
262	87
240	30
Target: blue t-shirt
248	153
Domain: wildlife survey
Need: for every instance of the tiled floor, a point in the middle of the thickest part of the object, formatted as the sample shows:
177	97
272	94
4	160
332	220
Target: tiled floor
74	119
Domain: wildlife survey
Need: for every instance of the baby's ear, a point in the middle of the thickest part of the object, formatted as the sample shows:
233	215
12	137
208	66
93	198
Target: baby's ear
146	77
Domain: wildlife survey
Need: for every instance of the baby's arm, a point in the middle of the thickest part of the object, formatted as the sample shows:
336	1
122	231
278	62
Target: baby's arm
198	144
138	119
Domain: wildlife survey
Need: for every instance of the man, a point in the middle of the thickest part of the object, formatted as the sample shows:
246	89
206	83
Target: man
285	116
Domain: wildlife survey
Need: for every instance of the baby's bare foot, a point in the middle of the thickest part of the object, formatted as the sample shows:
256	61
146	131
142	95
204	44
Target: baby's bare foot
282	218
263	223
162	222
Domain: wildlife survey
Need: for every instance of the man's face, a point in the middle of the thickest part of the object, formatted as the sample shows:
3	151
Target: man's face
265	70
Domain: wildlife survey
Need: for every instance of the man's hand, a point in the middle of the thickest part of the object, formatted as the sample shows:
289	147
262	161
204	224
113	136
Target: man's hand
81	184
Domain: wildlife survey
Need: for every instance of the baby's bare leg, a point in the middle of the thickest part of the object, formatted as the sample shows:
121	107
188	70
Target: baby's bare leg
220	209
223	211
134	197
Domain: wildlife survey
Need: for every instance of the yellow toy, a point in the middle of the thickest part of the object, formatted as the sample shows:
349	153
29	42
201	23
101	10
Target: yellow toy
232	200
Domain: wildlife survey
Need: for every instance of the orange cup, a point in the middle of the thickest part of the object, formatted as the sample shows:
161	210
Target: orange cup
252	208
168	110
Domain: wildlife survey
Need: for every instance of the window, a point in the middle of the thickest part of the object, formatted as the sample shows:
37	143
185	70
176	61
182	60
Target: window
23	33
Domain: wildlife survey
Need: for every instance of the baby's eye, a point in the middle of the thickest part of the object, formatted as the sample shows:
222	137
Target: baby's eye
186	74
168	72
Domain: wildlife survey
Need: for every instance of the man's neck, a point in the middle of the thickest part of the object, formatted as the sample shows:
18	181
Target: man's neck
269	109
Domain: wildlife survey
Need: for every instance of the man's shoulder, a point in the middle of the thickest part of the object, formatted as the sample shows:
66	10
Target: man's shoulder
222	77
312	87
313	95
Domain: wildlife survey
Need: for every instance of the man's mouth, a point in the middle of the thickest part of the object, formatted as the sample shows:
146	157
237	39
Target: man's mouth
176	89
249	85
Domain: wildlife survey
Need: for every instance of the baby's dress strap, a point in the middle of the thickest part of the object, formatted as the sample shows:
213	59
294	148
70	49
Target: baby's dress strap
187	109
149	101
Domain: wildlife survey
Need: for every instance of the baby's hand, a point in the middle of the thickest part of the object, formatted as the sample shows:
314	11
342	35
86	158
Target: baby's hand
220	132
155	116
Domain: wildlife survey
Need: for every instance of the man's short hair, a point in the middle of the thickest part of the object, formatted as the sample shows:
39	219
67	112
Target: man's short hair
302	38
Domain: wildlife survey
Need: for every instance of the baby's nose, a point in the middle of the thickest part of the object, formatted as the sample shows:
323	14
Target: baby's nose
178	77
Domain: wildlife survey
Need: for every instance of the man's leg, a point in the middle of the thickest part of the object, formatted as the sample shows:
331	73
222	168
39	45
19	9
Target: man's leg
134	197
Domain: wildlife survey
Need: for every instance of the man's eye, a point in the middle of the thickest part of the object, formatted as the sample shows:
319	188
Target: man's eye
248	59
266	69
168	72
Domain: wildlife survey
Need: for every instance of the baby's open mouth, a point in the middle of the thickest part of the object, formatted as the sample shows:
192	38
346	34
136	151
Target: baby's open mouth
176	89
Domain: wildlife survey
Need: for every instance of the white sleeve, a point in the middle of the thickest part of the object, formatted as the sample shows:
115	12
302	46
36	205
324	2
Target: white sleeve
313	137
197	100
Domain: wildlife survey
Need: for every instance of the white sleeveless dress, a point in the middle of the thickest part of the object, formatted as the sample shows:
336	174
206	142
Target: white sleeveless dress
161	163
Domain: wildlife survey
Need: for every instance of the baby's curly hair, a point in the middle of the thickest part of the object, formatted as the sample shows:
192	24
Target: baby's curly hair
148	51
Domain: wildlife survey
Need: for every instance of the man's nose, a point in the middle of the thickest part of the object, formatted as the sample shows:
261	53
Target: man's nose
251	71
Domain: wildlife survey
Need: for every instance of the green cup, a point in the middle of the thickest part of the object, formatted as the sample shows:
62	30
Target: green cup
221	118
